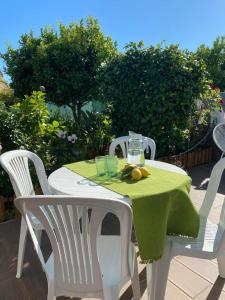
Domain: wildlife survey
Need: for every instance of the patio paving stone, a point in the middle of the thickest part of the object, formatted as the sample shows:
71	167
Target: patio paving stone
186	280
206	269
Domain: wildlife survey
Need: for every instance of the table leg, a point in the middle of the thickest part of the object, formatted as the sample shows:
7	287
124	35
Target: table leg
157	274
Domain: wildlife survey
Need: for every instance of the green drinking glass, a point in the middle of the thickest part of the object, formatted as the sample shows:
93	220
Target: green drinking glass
101	168
112	165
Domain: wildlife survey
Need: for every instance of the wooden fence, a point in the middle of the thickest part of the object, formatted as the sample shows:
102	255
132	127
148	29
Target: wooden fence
191	159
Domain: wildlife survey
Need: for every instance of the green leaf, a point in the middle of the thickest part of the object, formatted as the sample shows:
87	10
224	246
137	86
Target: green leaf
55	124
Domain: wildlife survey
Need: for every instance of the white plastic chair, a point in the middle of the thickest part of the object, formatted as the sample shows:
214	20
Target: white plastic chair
209	244
83	263
123	142
15	163
219	137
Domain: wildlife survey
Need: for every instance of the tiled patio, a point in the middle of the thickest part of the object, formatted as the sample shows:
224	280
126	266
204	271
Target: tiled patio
188	278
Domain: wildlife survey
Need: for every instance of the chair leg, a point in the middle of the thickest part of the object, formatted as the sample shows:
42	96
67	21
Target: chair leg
151	278
221	265
157	275
111	293
135	281
51	294
38	235
22	244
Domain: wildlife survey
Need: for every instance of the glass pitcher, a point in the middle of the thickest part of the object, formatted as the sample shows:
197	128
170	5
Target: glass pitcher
135	153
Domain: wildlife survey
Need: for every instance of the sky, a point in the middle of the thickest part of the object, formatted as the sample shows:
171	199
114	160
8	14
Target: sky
188	23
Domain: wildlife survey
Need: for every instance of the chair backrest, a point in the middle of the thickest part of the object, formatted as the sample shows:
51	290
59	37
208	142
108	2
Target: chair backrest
219	136
123	142
73	225
15	163
212	189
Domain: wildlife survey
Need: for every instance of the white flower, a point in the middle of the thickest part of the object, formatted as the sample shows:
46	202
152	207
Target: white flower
72	138
42	88
62	134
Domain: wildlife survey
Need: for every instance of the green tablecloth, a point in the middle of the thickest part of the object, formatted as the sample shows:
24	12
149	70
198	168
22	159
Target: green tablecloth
161	205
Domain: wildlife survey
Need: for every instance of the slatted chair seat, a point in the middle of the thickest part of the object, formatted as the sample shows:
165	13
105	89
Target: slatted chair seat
108	246
208	241
83	262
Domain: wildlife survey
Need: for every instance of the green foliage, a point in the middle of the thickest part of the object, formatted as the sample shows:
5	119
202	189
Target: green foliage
96	133
152	91
211	98
27	125
91	137
214	59
66	62
33	116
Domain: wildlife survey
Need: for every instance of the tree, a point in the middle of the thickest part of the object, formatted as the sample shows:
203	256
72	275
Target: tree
214	59
67	63
153	91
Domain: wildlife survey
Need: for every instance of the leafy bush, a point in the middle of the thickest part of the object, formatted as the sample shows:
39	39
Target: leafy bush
96	132
214	59
153	91
91	137
27	125
67	62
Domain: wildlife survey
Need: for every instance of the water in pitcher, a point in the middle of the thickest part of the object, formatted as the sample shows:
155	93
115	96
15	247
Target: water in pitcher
136	156
135	153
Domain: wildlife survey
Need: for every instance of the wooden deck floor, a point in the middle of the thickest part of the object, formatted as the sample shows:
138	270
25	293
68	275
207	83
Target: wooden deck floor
188	278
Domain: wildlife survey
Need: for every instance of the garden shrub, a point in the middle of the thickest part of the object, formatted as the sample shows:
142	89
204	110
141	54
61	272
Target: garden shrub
91	137
153	91
66	62
214	58
96	132
27	125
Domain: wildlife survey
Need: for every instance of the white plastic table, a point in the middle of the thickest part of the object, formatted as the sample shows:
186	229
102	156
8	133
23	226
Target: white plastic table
63	181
